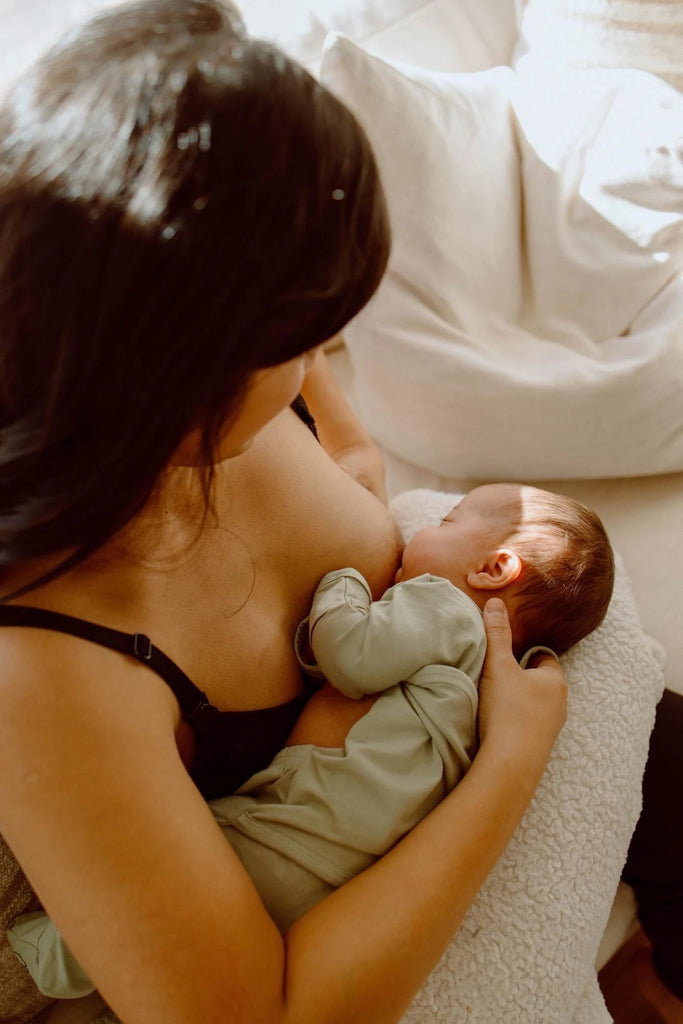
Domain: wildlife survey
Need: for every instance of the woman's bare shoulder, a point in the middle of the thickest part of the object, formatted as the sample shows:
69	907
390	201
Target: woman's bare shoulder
63	699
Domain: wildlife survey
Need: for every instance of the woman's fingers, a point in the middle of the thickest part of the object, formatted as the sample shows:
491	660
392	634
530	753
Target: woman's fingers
498	631
518	707
364	463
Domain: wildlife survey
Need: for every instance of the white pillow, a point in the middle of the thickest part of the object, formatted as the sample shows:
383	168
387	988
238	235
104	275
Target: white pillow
443	142
530	322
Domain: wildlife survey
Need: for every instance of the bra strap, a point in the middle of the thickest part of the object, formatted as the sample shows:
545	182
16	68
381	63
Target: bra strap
137	645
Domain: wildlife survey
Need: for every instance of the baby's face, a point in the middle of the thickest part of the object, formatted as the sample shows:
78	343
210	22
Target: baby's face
465	539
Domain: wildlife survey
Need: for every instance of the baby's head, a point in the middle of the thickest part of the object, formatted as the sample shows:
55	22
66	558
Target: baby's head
547	556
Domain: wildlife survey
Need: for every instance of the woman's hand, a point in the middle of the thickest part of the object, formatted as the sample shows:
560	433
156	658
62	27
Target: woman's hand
521	711
364	463
341	433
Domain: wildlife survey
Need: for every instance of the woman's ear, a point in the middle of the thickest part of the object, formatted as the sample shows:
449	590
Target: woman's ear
503	568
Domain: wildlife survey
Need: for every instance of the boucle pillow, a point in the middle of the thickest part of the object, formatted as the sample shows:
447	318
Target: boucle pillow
525	952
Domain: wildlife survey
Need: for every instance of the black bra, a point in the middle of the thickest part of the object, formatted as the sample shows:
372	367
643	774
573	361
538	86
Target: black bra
229	745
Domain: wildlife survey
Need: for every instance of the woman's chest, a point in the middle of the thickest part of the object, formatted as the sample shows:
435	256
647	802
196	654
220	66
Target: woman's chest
299	515
285	515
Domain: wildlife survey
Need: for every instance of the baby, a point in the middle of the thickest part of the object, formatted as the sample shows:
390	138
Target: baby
317	816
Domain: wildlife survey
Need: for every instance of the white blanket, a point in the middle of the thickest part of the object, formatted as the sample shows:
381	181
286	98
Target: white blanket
526	950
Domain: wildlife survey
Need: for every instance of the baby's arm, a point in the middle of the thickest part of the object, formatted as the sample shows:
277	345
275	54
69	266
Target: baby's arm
364	647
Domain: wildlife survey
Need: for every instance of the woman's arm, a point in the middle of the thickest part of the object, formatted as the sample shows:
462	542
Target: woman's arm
136	874
341	433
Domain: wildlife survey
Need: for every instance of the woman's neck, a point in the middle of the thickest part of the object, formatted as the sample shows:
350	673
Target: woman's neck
162	535
169	524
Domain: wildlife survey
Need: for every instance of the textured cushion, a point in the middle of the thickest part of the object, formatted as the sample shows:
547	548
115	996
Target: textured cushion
526	949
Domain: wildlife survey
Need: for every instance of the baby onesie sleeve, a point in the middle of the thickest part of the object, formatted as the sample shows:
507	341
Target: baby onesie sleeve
363	646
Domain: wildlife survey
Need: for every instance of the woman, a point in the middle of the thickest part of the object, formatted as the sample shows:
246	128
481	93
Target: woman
185	216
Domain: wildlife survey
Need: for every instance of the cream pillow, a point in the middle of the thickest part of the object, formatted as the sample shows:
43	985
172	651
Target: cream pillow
448	159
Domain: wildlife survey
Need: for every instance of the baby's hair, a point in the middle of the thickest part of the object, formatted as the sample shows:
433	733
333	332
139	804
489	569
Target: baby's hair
568	572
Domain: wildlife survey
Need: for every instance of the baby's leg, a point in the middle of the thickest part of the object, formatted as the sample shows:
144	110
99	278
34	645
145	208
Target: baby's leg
50	962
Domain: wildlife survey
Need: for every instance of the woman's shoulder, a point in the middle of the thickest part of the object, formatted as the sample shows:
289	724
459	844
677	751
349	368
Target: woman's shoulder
58	692
36	667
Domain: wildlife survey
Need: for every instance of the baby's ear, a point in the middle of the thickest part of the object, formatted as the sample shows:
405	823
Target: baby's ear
502	569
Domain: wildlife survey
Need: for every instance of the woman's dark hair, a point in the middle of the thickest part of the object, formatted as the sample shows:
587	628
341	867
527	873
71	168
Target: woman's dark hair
179	206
